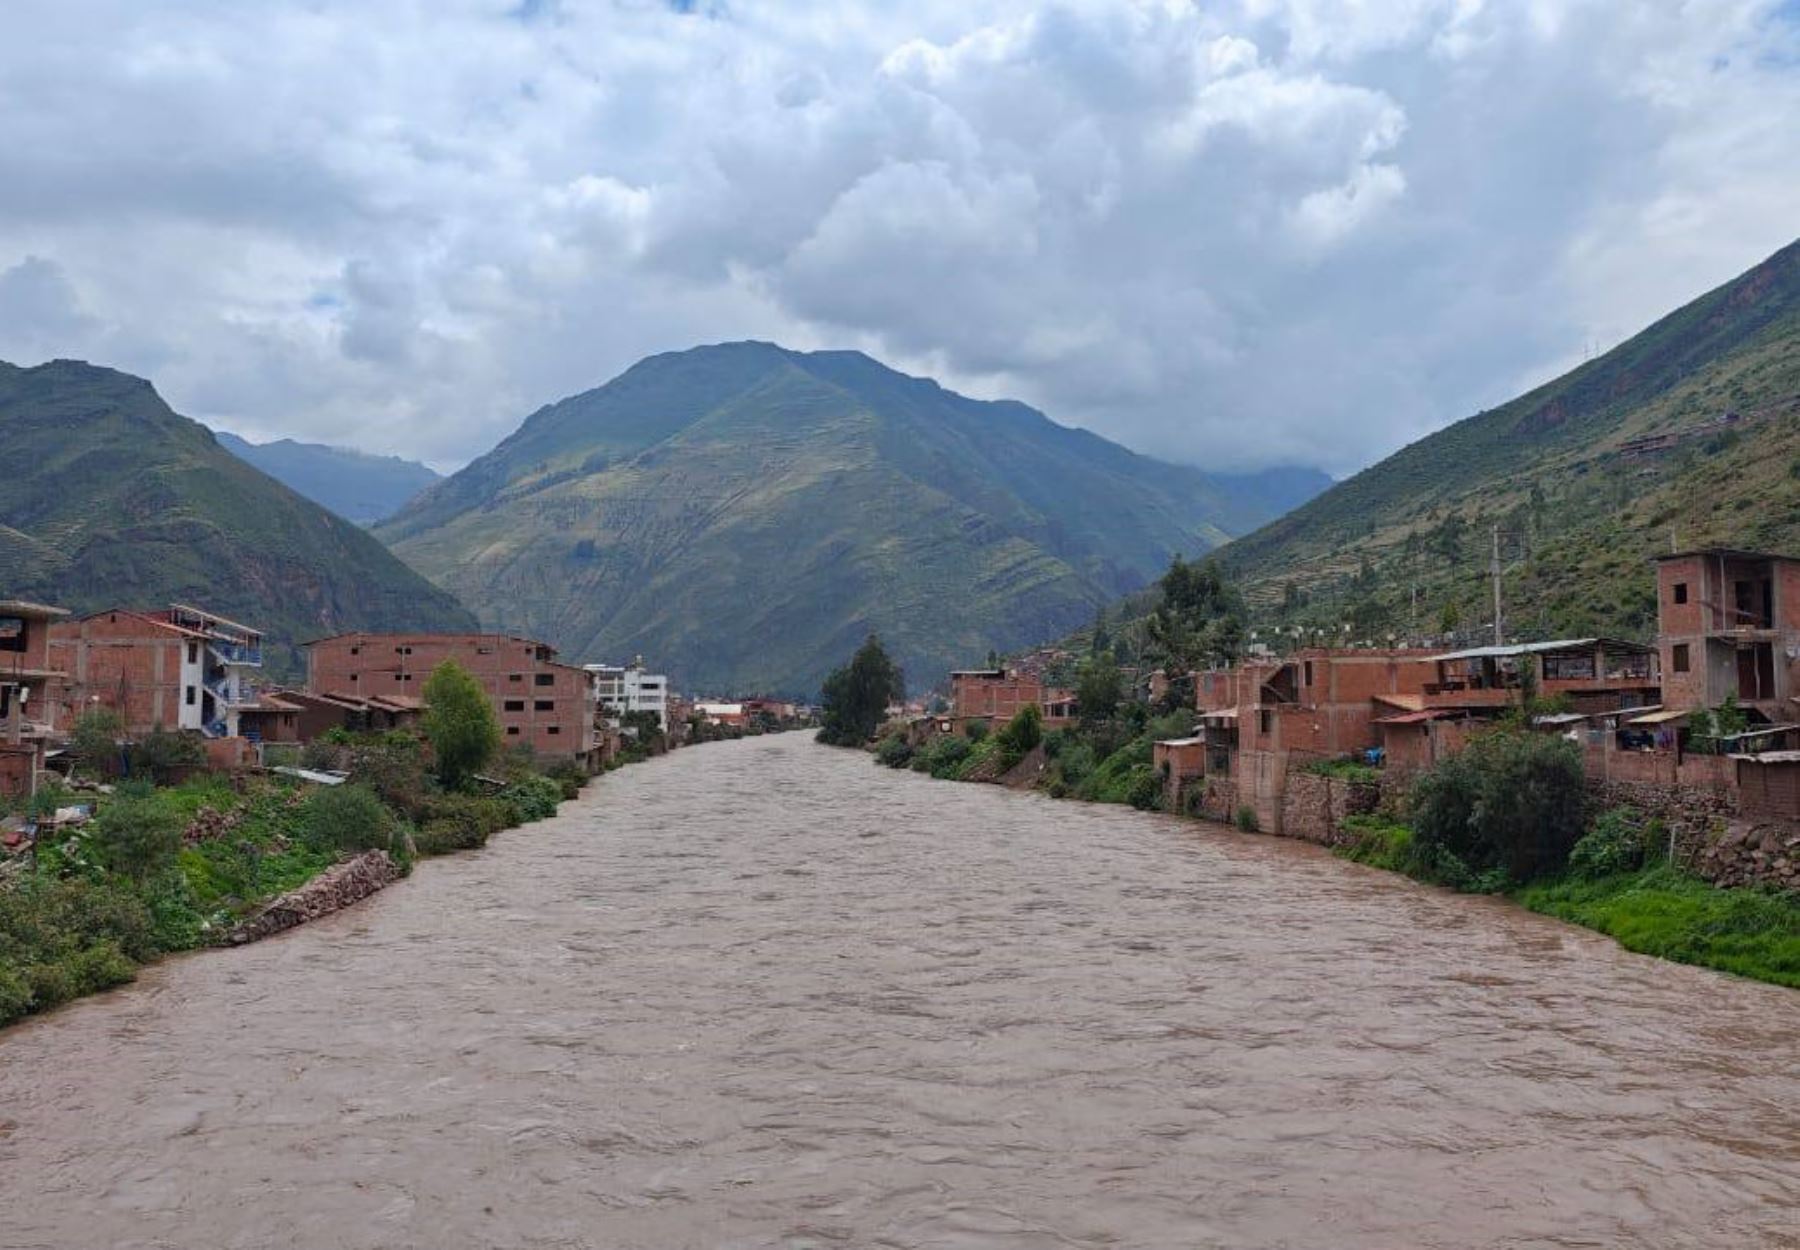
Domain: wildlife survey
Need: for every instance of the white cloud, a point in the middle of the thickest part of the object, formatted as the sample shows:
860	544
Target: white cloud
1236	234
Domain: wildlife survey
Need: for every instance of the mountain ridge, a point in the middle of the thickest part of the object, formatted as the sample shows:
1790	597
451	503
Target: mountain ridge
118	500
357	485
899	500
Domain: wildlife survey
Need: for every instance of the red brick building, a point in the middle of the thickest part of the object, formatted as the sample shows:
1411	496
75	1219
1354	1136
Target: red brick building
1729	625
27	680
542	703
997	694
174	669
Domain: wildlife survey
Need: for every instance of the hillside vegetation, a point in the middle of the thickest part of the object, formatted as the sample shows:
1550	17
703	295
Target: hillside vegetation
113	499
1581	503
747	515
353	484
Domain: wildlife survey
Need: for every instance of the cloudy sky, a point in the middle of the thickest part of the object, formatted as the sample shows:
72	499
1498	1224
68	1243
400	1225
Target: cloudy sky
1234	233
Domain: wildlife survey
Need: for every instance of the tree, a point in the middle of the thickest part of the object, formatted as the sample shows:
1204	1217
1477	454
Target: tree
459	723
1511	805
856	696
1200	618
94	739
137	835
1102	638
1097	692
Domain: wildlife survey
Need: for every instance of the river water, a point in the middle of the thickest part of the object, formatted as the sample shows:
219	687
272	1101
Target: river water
765	994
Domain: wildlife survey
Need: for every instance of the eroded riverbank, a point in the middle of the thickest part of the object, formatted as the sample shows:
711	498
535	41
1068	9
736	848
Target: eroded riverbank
763	994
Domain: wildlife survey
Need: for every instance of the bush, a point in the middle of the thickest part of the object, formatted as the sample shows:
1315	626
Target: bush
1112	781
1620	841
572	777
976	731
532	798
62	939
137	835
94	740
460	822
1509	807
1145	790
1378	843
894	752
1246	819
942	757
1023	732
348	818
393	766
159	755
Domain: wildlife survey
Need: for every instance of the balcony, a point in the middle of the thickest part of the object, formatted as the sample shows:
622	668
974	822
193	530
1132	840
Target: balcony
235	652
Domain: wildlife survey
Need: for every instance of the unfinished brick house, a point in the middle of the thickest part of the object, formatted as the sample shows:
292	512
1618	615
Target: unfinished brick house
174	669
542	703
1730	625
996	695
27	713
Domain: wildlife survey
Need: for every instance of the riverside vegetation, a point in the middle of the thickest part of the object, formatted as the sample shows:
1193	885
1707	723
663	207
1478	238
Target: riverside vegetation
1510	814
175	858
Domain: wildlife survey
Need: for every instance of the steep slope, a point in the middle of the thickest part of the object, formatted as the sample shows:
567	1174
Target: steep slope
112	498
1688	432
353	484
744	515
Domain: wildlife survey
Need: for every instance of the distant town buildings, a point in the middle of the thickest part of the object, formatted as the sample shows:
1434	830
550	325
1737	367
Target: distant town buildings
996	695
27	715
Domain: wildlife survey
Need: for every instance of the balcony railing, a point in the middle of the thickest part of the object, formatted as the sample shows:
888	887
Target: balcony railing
235	653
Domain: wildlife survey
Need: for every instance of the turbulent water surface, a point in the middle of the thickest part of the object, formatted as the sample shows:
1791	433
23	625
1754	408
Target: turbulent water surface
764	994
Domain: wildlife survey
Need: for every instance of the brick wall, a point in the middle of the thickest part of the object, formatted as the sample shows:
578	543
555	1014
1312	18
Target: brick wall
1314	807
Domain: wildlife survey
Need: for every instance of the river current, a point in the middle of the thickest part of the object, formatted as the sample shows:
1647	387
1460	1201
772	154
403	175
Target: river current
766	994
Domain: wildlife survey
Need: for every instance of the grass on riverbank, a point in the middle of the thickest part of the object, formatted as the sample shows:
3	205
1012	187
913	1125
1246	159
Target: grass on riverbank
1668	914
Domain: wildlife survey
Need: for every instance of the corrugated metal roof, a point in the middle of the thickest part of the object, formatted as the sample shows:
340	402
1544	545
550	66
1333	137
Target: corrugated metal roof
1770	757
1559	718
1536	648
1660	718
1180	742
1416	718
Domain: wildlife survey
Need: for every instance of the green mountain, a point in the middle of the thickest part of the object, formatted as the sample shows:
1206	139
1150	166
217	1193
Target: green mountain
352	484
111	498
1688	433
744	515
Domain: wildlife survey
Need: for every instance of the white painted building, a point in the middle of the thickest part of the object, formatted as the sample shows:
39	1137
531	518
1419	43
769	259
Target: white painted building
631	689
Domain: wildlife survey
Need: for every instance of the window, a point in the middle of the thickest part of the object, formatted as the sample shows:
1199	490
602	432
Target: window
399	676
1680	592
515	677
356	650
1309	672
1265	720
193	653
512	731
484	651
1679	657
553	729
544	679
12	633
192	696
354	677
543	705
514	705
402	650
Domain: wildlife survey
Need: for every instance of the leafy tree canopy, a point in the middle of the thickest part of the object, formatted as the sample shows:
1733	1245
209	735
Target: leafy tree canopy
1200	619
459	723
856	696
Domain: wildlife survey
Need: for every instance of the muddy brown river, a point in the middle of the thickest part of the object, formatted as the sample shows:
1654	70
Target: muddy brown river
765	994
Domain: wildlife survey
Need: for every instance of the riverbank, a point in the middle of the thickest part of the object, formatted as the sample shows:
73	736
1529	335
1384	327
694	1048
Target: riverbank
224	859
1615	885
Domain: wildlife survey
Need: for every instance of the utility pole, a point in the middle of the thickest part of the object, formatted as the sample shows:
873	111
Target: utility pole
1494	568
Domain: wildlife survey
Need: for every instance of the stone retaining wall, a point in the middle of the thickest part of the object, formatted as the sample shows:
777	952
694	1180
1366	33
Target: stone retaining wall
1711	838
337	887
1314	807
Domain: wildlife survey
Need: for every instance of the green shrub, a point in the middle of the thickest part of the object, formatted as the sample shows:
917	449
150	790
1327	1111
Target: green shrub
160	754
94	741
1509	807
1145	790
1343	770
942	757
976	731
393	766
1023	732
1378	843
532	798
63	939
569	775
1619	842
1246	819
136	835
1113	780
461	822
893	752
348	818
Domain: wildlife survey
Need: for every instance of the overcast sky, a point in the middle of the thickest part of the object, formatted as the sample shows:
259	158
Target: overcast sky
1234	234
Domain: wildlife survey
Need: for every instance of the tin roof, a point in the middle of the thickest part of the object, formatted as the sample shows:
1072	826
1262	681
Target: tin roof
1538	648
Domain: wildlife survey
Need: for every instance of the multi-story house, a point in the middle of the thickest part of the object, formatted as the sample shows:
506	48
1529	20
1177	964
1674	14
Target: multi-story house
995	695
175	669
628	688
27	714
1730	625
542	703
